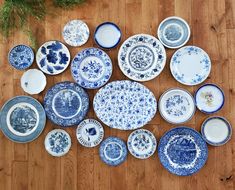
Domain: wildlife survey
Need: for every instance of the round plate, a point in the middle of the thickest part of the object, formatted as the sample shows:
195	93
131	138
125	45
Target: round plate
76	33
182	151
141	143
176	105
33	81
173	32
216	131
57	142
209	98
107	35
125	105
113	151
22	119
91	68
53	57
90	133
190	65
21	57
142	57
66	104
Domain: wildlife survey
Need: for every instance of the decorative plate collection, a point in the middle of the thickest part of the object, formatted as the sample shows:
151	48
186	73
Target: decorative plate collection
122	104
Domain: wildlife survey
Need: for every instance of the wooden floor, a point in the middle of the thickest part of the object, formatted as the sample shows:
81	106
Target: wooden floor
30	167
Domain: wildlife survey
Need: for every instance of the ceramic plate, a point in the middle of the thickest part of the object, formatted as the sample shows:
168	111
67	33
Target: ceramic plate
22	119
21	57
90	133
216	131
53	57
125	105
190	65
76	33
113	151
66	104
91	68
182	151
141	143
176	105
142	57
57	142
173	32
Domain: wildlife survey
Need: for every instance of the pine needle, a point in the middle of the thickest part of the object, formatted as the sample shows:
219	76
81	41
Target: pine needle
67	3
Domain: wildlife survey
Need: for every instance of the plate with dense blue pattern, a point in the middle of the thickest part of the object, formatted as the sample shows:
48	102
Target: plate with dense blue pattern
190	65
113	151
66	104
91	68
21	57
142	57
125	105
22	119
182	151
142	143
53	57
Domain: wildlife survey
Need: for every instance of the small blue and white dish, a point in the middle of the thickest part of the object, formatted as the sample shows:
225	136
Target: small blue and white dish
182	151
107	35
113	151
53	57
21	57
91	68
57	142
173	32
66	104
22	119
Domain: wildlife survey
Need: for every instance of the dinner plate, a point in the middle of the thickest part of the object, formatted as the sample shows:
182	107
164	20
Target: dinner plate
190	65
66	104
22	119
91	68
142	57
182	151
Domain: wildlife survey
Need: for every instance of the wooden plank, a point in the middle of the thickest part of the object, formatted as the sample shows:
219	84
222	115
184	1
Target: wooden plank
20	175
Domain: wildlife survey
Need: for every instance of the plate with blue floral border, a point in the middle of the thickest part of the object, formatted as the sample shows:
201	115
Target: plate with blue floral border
142	57
91	68
66	104
22	119
21	57
190	65
142	143
113	151
53	57
182	151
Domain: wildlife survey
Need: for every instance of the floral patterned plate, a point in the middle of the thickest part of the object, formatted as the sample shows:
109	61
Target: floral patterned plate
142	57
91	68
190	65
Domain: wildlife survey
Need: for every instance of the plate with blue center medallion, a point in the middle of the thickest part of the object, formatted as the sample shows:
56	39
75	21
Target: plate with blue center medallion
53	57
182	151
66	104
142	57
91	68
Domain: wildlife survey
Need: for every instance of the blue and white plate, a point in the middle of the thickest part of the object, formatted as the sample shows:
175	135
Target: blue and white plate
66	104
142	57
142	143
125	105
190	65
182	151
173	32
113	151
22	119
53	57
57	142
91	68
21	57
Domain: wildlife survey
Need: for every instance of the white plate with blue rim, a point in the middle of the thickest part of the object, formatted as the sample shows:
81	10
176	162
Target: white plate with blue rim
190	65
173	32
91	68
